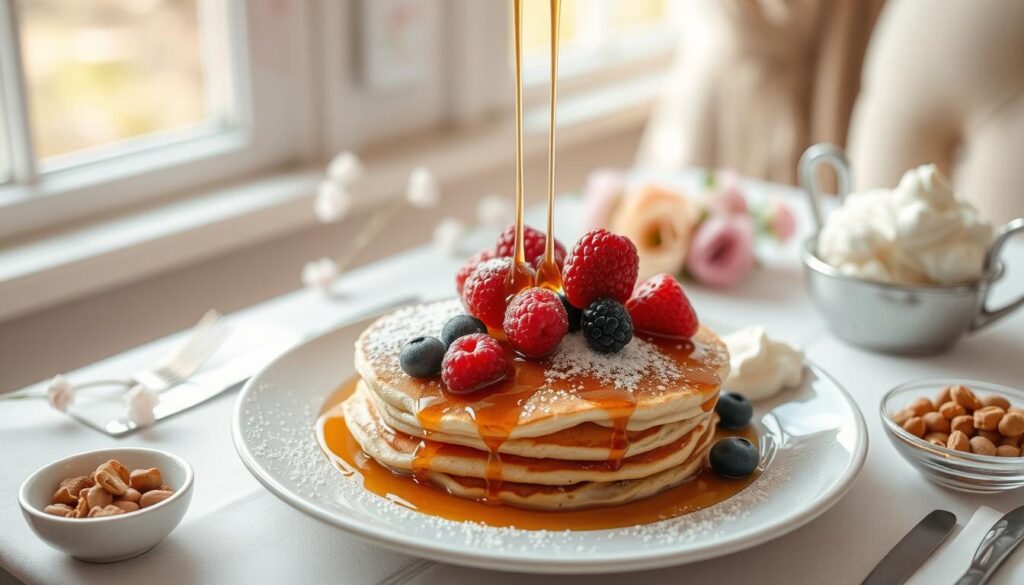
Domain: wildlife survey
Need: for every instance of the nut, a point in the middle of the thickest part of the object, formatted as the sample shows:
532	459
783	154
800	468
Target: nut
154	497
994	400
939	439
951	410
109	510
1011	425
921	406
82	509
166	488
115	467
963	423
1016	409
982	446
96	496
131	494
958	441
110	481
936	423
915	426
963	396
146	479
67	492
63	510
943	396
987	418
901	416
1007	451
992	436
1010	441
126	505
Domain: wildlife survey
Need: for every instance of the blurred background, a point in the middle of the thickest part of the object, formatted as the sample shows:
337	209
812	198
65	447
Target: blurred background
160	157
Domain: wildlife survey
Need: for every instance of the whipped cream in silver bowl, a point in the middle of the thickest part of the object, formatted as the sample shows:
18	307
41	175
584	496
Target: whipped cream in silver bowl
905	271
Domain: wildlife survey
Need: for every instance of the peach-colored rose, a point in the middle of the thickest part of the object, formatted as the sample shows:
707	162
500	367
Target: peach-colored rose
722	250
660	223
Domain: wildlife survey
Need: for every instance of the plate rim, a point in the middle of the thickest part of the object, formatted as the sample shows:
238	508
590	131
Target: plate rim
661	557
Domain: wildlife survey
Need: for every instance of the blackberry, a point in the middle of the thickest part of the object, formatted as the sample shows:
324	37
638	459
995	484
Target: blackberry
607	326
573	313
461	325
421	357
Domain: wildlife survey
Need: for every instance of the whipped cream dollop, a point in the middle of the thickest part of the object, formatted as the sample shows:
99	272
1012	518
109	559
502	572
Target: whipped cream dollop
918	233
760	367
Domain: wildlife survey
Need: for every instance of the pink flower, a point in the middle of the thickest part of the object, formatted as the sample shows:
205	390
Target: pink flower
728	198
601	195
722	250
779	219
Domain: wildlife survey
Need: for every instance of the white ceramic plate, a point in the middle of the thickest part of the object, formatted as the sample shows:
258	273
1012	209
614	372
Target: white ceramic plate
813	445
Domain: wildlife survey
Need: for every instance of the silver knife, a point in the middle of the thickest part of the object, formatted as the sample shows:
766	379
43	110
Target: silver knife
107	417
912	550
999	542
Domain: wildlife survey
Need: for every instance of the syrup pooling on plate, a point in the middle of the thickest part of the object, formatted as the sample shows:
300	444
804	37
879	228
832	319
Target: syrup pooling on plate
333	435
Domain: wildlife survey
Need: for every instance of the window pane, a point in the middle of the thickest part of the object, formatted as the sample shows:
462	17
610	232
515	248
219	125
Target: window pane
628	14
100	71
537	26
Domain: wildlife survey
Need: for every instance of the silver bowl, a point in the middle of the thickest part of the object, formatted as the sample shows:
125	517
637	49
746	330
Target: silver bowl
892	318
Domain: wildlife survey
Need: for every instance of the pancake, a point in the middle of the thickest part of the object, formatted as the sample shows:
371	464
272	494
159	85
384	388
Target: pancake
401	452
585	442
648	384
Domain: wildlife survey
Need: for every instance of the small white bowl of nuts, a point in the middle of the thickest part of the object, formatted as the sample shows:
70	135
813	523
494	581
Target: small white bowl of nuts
107	505
962	434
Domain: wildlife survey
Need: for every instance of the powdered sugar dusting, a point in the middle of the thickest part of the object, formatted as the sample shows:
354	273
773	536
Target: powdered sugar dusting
638	361
384	340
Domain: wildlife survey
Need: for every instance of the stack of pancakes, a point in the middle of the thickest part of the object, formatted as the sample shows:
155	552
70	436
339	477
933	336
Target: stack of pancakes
575	430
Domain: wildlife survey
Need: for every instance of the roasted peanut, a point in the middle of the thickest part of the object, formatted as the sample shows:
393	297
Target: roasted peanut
958	441
963	423
126	505
939	439
115	467
60	510
1016	409
993	436
921	406
943	396
154	497
108	510
915	426
951	410
67	492
110	481
901	416
96	496
1011	425
1007	451
982	446
132	495
1011	441
146	479
987	418
963	396
936	423
82	509
994	400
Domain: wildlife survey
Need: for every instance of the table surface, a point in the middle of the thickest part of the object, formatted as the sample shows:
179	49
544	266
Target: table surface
237	532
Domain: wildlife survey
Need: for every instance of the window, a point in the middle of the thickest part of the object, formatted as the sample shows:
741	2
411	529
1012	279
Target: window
103	103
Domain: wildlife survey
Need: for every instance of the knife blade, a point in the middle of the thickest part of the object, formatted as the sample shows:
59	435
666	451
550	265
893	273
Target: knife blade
912	549
999	542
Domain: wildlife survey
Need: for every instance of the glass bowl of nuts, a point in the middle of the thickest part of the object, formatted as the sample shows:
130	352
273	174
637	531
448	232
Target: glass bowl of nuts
107	505
962	434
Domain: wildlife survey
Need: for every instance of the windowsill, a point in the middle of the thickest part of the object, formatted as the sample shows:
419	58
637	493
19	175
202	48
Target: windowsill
90	258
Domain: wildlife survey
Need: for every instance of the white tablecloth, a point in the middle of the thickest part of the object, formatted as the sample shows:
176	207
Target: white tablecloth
236	532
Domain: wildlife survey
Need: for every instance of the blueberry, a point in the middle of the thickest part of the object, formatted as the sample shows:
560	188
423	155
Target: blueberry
607	326
460	325
734	458
575	314
421	357
734	410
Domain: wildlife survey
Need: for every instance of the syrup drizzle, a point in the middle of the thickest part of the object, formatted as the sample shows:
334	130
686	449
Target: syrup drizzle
548	274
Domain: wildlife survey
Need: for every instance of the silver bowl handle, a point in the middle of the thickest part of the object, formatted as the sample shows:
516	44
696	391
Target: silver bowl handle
809	161
985	315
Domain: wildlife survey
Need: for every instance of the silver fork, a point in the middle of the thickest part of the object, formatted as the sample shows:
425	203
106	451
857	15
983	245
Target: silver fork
205	338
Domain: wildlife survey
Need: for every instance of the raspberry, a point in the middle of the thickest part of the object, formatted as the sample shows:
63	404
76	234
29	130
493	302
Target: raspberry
535	322
601	264
467	268
607	326
472	362
660	306
485	294
533	244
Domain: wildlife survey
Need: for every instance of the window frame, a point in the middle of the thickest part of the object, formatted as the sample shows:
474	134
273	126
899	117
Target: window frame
141	169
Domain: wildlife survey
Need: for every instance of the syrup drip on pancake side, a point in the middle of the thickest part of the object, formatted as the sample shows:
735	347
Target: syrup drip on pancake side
706	489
